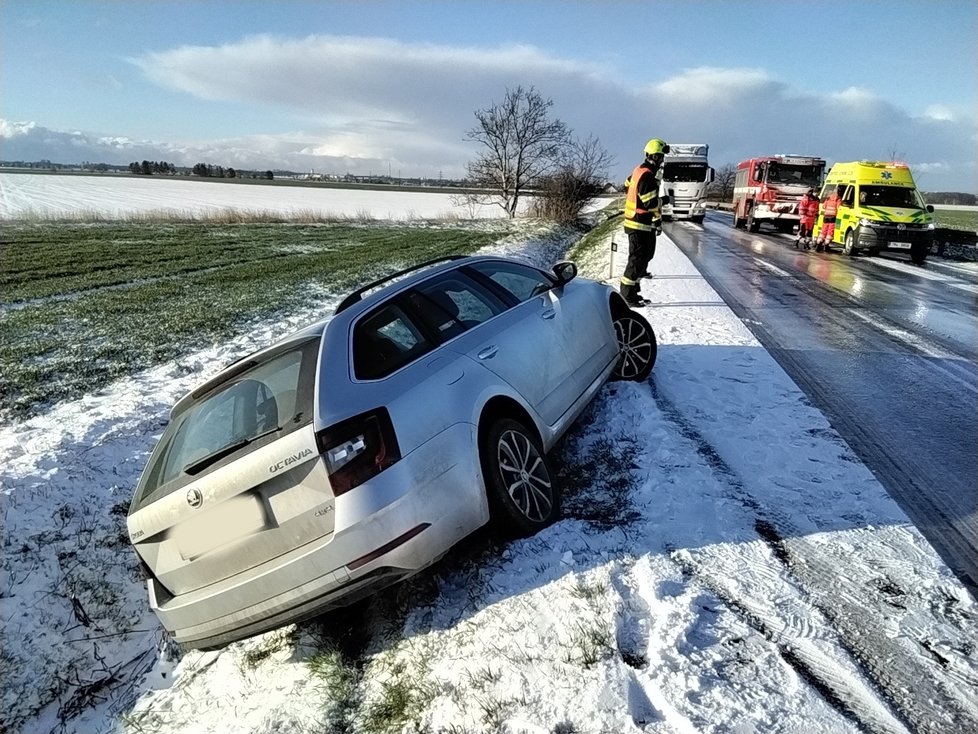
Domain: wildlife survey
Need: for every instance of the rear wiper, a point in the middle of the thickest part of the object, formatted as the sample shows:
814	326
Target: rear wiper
196	466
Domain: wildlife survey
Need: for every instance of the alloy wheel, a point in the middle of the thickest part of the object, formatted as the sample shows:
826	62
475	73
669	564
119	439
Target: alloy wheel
525	476
635	346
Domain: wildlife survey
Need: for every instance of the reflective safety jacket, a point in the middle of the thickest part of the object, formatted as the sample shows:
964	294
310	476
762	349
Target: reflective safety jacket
808	207
642	209
830	207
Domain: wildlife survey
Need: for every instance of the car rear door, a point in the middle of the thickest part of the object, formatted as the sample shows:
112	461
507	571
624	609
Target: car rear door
517	342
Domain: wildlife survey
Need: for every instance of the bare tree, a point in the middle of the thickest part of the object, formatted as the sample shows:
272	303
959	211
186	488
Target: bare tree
521	145
723	183
580	177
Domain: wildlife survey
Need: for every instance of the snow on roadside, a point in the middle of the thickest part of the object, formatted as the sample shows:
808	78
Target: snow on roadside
718	538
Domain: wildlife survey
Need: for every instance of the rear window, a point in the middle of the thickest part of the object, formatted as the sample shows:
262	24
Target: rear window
385	341
251	409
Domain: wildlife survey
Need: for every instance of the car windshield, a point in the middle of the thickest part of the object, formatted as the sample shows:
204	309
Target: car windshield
783	173
685	172
265	401
890	196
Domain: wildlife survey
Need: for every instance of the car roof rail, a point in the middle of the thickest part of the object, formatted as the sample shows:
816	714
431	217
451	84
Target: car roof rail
357	295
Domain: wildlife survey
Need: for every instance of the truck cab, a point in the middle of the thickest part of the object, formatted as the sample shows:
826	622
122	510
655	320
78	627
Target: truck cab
768	189
685	179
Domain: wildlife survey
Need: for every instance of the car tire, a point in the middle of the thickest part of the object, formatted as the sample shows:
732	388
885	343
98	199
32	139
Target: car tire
637	347
849	245
918	253
521	487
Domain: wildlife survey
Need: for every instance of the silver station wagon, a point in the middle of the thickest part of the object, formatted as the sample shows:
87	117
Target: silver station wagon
358	451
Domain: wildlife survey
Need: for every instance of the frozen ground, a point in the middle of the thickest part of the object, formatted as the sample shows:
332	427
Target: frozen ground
53	196
726	564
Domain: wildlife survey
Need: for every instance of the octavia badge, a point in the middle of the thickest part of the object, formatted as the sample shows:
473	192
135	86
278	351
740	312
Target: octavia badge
195	498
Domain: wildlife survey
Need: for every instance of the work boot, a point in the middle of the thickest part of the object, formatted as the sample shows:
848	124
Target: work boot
628	292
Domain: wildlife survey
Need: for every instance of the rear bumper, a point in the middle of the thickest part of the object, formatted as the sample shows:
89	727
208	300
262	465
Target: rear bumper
412	513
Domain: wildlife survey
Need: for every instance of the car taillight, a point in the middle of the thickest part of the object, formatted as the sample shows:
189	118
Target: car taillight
358	449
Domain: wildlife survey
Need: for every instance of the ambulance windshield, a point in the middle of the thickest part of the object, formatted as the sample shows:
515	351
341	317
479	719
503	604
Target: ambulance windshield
890	196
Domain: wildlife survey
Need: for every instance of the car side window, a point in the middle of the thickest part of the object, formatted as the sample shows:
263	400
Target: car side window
453	303
849	197
384	341
521	281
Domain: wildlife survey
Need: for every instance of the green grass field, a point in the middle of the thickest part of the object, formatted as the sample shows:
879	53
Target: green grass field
965	219
83	305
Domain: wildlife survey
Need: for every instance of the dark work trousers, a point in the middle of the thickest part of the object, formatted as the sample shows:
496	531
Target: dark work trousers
641	249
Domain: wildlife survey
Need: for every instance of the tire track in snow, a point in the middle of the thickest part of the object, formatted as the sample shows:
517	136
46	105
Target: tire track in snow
875	702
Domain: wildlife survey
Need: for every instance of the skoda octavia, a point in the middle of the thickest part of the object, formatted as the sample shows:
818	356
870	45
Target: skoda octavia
357	451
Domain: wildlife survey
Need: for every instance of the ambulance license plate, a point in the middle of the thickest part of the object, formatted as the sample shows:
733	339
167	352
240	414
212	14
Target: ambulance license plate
900	245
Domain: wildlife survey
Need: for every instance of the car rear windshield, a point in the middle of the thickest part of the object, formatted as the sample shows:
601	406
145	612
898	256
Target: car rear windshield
252	408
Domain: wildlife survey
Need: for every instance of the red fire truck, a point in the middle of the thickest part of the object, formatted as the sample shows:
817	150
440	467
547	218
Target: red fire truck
769	189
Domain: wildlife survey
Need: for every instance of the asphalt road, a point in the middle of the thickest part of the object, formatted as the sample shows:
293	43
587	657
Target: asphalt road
888	351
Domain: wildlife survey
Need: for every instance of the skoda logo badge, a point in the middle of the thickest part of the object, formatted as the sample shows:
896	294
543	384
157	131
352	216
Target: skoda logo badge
195	498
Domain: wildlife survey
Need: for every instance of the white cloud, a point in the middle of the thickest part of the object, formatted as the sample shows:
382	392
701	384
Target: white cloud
939	112
11	129
710	84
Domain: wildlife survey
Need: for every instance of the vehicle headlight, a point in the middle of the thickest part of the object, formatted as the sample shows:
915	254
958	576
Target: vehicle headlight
866	222
929	225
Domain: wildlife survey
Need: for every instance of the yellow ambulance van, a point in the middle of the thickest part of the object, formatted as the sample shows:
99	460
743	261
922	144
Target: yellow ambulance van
880	209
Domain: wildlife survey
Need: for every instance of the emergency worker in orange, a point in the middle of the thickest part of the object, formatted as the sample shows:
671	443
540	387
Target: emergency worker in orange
807	214
643	219
830	208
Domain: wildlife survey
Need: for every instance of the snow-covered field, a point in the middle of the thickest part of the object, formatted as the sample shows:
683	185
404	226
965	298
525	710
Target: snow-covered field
51	196
726	564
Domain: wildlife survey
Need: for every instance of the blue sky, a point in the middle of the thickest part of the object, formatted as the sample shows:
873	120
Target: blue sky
372	86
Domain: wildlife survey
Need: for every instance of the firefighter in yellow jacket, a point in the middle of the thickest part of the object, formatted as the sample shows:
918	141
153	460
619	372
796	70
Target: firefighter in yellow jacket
643	219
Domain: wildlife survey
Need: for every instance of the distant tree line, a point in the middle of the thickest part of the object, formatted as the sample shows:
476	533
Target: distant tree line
162	168
148	168
950	197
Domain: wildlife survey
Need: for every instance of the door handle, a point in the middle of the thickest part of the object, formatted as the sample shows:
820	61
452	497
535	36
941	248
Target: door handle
489	352
549	313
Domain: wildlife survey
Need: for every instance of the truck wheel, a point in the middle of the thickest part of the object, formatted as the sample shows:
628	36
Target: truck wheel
698	220
849	246
752	224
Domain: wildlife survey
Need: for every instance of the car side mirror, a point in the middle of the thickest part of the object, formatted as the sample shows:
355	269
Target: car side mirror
930	208
713	175
565	270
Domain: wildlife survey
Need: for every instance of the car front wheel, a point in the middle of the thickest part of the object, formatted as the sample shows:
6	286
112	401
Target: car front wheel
637	347
523	494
